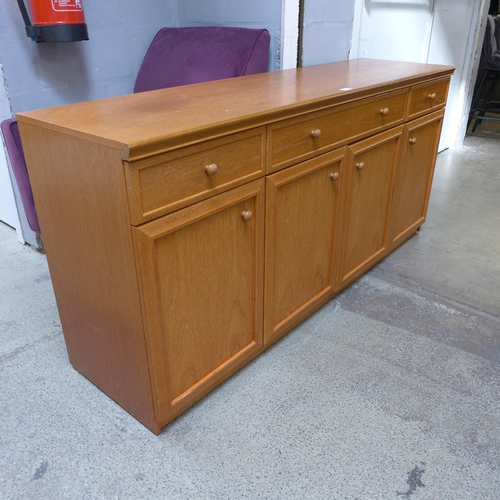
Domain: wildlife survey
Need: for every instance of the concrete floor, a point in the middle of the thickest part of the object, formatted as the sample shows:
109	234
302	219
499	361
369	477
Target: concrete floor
389	391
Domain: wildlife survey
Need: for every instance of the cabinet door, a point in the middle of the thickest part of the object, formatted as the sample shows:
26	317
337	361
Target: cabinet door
366	207
302	205
414	178
201	277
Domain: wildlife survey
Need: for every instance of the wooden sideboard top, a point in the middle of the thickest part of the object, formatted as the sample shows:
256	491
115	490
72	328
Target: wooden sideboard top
144	124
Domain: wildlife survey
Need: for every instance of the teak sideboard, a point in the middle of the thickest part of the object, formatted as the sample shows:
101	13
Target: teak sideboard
187	229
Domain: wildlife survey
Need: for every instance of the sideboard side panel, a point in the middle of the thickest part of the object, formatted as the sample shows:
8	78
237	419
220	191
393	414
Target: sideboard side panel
81	198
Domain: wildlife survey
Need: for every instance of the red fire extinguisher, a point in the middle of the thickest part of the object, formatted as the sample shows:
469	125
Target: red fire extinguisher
55	20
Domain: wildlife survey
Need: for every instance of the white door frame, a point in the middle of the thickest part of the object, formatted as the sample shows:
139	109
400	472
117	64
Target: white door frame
8	208
471	62
471	67
289	33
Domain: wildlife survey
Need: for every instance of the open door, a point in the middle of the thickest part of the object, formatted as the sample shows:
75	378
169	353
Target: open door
433	31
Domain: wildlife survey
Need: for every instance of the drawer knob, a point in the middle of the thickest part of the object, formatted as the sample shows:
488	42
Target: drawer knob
413	140
247	215
432	96
360	165
211	169
384	111
334	176
316	134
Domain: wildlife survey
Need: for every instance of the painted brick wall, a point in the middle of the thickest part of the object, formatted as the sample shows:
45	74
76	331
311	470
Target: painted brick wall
43	74
327	31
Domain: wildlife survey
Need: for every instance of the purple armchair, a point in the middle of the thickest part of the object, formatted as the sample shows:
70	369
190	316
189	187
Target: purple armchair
176	56
12	138
180	56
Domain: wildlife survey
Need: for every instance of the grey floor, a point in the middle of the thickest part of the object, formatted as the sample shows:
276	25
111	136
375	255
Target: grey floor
389	391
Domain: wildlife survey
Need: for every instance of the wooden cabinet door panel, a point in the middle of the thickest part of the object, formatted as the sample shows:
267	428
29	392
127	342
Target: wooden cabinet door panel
200	273
414	179
366	207
301	217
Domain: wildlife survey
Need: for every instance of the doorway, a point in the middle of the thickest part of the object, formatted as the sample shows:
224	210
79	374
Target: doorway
432	31
488	89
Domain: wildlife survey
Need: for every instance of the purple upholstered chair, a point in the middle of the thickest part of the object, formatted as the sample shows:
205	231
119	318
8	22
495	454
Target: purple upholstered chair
176	56
12	138
180	56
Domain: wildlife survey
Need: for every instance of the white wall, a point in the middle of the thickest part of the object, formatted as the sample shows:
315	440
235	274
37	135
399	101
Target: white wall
456	39
434	31
393	30
327	31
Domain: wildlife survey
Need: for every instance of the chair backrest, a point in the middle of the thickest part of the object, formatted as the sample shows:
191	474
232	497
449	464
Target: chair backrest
180	56
490	53
10	131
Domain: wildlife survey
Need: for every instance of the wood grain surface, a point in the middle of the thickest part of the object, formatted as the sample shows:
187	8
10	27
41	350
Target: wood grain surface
189	228
149	123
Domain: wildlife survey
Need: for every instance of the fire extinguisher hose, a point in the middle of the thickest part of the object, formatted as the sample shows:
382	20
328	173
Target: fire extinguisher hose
24	12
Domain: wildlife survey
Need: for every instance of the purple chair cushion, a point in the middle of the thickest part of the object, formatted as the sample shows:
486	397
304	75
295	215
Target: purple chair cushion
12	138
180	56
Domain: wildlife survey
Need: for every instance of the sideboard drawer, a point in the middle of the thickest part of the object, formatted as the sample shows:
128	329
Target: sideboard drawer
427	97
297	139
174	180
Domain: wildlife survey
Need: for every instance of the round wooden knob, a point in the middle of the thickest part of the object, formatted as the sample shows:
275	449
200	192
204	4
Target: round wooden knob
247	215
413	140
384	111
334	176
316	134
211	169
360	165
432	96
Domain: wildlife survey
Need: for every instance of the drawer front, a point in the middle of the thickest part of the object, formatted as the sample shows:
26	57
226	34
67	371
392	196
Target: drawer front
163	184
427	97
298	139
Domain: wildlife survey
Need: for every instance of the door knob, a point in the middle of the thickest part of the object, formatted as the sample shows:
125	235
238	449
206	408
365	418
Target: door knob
211	169
247	215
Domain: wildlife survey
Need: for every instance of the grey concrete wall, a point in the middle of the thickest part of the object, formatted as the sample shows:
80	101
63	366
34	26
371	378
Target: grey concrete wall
246	14
42	75
327	31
